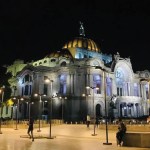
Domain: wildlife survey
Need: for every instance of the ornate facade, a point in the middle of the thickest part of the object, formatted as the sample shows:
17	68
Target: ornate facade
80	64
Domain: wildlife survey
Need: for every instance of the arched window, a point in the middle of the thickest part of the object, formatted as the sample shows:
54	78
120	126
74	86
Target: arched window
53	60
80	55
63	64
98	111
27	78
120	82
45	61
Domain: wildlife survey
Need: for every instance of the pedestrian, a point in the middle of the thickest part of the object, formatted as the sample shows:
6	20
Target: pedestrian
121	132
88	120
30	128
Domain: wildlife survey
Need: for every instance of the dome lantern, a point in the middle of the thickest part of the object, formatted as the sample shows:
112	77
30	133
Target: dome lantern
81	30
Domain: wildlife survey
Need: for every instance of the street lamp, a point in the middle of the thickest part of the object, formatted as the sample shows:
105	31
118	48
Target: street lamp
39	130
51	98
30	103
27	110
92	87
43	108
1	106
17	110
106	114
62	107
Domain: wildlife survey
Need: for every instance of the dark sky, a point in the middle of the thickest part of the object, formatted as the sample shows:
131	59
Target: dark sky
31	30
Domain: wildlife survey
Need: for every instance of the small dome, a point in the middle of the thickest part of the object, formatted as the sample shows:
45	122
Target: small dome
81	42
65	53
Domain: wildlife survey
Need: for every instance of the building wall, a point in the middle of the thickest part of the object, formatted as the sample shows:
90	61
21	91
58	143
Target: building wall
132	93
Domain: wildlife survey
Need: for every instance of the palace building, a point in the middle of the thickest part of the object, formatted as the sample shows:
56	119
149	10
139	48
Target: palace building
82	80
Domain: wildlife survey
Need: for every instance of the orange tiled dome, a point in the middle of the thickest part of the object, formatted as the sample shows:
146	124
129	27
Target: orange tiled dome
81	42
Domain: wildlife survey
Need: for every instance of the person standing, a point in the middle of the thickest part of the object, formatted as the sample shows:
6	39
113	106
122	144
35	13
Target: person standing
88	120
30	128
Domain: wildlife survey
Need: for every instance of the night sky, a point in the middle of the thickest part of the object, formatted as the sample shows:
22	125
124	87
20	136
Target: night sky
31	30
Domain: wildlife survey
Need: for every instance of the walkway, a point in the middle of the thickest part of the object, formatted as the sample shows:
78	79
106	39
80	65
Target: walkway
67	137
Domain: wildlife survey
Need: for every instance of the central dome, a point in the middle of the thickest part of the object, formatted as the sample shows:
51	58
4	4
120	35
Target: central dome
81	42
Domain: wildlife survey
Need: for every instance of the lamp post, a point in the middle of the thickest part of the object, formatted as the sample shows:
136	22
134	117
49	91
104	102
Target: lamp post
30	103
1	106
51	98
40	102
17	111
92	87
106	113
43	107
62	107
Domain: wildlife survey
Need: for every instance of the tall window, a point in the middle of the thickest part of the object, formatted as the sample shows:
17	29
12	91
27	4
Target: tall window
45	89
108	86
97	83
147	93
63	86
85	56
22	91
30	92
117	91
120	91
26	90
136	89
129	110
6	109
119	74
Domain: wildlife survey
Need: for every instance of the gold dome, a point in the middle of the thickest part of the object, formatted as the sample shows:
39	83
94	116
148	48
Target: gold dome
81	42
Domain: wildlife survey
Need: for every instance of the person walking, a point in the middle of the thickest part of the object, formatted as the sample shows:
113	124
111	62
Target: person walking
30	128
121	132
88	120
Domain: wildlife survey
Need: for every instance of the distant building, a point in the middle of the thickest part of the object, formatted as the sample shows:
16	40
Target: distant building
87	78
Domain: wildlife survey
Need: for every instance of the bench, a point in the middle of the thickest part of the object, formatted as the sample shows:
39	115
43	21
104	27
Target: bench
137	139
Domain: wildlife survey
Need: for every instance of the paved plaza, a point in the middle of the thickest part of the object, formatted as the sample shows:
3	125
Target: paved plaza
66	137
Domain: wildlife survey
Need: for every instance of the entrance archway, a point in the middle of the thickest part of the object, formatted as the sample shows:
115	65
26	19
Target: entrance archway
98	111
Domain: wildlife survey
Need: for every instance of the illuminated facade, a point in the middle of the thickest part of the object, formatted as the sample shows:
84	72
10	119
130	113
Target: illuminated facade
80	63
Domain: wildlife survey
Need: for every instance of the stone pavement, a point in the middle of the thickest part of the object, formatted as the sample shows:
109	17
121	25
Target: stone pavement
66	137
